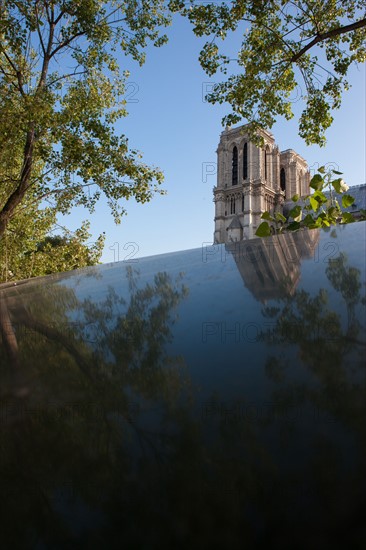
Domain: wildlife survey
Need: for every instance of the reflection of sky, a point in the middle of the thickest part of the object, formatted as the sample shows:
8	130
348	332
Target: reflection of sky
220	321
349	240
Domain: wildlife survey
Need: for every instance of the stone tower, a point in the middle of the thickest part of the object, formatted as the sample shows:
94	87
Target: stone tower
252	180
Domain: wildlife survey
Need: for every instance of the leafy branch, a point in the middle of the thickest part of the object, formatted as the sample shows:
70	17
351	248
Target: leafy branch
316	210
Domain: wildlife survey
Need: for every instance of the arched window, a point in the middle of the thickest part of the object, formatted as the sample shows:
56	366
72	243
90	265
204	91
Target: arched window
301	179
245	161
266	162
283	179
234	178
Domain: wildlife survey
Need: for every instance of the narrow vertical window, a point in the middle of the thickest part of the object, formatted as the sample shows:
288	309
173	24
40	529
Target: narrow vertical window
235	166
283	179
245	161
301	178
265	163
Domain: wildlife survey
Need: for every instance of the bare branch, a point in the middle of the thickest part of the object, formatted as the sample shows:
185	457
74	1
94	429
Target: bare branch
39	31
66	43
59	17
75	73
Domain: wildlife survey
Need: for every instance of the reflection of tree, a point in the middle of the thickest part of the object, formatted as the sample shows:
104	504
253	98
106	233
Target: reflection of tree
332	393
76	404
308	321
346	281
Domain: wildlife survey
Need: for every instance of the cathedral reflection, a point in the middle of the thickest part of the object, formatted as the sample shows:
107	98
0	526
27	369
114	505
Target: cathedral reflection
270	268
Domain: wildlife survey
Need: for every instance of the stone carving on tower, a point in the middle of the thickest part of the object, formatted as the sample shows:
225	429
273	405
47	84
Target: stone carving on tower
252	180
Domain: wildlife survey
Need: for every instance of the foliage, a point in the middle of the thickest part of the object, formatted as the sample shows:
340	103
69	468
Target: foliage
30	247
283	43
314	210
61	91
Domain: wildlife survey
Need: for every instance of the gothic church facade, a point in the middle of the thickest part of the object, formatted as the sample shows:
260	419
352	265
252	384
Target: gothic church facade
252	180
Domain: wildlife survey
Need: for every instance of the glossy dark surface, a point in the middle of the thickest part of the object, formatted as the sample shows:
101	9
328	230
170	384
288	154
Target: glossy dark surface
214	398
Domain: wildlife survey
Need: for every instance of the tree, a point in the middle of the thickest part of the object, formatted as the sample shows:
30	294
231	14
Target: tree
61	91
283	43
30	247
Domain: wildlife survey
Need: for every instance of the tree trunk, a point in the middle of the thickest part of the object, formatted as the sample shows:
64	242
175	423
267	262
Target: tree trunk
17	195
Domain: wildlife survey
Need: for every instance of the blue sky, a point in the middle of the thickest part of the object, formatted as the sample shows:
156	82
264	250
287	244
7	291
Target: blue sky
176	130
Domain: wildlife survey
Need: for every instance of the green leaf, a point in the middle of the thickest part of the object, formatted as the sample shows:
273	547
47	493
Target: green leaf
333	212
280	217
308	221
318	222
320	197
294	226
296	213
263	230
347	200
315	205
337	173
347	217
322	170
339	185
317	182
295	198
267	216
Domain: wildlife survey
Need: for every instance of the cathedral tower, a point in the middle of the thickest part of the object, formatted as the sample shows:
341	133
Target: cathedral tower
252	180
